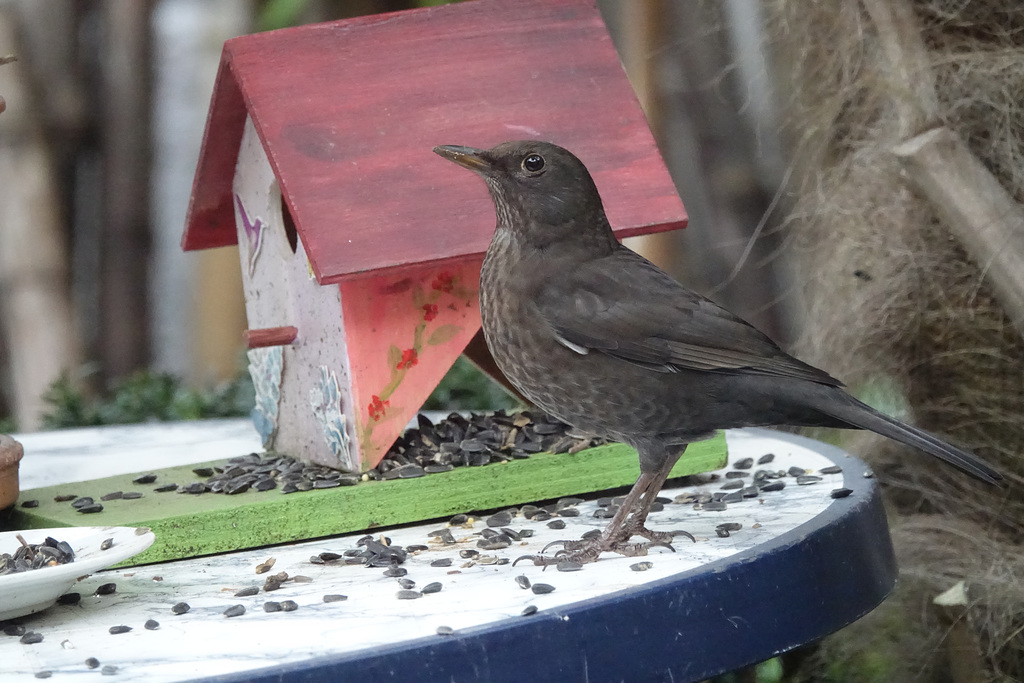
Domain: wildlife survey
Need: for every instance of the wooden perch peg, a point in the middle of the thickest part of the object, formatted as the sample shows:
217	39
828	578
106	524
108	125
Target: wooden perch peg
976	209
270	336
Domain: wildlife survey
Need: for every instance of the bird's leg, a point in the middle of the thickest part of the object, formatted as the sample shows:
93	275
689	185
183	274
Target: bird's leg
628	521
635	522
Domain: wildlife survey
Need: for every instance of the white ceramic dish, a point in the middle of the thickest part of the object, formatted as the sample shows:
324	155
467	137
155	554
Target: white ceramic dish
33	591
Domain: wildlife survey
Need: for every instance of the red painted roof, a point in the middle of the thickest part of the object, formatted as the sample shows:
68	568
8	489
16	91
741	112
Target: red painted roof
349	111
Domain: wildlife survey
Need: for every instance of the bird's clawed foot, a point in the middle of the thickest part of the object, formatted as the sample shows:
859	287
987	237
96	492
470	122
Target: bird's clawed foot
589	549
662	537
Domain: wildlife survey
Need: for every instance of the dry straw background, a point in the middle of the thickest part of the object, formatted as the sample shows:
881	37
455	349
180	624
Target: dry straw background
893	297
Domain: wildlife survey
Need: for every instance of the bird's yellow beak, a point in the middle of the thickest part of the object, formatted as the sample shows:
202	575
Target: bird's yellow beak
467	157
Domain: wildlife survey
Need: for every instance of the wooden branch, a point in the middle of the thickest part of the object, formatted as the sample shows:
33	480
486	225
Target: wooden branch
270	336
905	65
966	665
976	209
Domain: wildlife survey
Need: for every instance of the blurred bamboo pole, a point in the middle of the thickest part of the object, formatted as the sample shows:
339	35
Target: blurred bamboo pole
35	303
125	237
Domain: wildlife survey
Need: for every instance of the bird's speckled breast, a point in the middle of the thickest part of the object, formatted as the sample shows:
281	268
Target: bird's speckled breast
592	392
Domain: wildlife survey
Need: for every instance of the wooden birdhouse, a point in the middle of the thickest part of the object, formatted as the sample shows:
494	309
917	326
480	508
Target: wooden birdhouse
360	248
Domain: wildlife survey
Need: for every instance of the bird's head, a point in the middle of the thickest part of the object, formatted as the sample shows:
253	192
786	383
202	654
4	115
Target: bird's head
540	191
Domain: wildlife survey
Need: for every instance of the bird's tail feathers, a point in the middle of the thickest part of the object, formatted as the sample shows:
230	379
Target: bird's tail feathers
862	416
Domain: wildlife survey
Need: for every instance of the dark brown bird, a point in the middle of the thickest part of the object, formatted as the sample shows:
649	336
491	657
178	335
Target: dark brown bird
604	340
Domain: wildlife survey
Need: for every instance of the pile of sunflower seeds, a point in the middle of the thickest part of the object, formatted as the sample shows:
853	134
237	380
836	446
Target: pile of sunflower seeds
49	553
480	439
428	448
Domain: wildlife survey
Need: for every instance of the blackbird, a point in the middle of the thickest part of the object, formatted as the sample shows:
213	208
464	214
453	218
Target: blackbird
604	340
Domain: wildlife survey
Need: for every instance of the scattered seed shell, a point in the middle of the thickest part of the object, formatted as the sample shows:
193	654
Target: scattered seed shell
234	611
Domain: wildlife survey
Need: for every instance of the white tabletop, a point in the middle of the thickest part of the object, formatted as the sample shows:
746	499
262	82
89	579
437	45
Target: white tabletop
204	642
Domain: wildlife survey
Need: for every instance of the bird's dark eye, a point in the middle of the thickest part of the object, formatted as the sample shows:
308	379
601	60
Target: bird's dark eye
533	163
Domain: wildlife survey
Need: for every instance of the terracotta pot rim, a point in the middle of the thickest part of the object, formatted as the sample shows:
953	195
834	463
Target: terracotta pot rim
11	451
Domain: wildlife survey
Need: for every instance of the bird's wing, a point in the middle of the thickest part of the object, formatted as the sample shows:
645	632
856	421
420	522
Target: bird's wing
624	306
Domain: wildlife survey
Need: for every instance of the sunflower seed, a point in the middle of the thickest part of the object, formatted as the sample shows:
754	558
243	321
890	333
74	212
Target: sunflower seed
235	611
641	566
115	630
528	610
271	606
408	595
432	587
145	479
442	562
151	625
840	493
106	589
246	592
445	630
30	504
335	597
805	479
31	638
831	469
113	495
766	458
166	488
180	608
289	605
499	519
92	663
542	588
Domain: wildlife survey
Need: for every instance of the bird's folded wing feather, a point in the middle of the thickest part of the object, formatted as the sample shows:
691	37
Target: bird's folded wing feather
624	306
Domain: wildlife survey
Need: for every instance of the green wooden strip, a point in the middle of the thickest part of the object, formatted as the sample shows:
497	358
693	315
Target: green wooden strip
190	525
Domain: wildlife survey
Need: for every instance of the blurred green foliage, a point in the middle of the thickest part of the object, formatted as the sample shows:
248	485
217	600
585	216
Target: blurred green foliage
142	397
157	396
